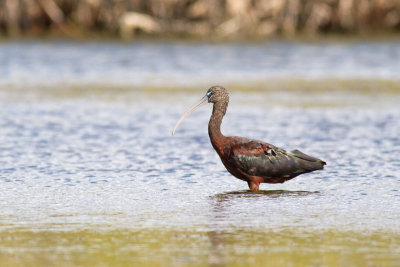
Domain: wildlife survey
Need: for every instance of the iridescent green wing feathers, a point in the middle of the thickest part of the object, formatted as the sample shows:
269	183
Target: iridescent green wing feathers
256	158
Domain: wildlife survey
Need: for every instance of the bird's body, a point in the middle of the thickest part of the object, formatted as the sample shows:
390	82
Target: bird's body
258	162
250	160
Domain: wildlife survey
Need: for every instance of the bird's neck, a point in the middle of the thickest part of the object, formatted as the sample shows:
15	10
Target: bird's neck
214	126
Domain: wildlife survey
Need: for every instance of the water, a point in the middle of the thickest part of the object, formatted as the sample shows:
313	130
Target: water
83	159
170	64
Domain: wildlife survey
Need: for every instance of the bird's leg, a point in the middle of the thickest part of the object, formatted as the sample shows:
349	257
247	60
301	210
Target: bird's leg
253	185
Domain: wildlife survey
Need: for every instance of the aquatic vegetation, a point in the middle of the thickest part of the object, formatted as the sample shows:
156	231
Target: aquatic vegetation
163	247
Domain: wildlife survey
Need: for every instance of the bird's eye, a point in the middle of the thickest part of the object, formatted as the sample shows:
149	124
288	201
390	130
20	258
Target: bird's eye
209	93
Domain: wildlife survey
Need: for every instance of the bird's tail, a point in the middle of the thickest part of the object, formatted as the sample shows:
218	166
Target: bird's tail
308	163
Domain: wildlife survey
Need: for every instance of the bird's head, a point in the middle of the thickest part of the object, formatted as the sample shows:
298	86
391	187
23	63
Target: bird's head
214	95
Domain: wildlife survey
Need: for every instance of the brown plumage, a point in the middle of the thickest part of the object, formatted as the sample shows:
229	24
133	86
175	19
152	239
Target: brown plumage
250	160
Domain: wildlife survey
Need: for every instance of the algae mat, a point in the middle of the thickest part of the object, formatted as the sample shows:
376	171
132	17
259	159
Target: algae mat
174	247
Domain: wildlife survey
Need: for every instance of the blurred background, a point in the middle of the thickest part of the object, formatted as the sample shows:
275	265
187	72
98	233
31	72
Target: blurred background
90	91
202	19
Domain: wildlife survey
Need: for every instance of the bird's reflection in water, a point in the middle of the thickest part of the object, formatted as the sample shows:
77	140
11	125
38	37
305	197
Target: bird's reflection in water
220	202
221	228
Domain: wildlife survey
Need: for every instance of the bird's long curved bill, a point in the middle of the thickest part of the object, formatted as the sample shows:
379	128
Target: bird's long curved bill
202	101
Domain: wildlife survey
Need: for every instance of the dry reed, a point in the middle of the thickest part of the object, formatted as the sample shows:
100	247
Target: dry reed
197	18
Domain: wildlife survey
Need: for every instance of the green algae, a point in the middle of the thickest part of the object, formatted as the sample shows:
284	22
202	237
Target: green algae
298	92
191	247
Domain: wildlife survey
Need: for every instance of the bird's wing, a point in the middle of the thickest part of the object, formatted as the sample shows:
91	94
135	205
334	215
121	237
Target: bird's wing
257	158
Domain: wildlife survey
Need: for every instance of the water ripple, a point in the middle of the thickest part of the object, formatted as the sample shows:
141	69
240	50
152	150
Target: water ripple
99	158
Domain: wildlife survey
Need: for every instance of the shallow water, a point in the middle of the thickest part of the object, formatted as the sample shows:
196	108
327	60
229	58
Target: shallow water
73	161
188	64
96	170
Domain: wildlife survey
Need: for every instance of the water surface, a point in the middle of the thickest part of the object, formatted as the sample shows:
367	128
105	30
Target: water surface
88	162
188	64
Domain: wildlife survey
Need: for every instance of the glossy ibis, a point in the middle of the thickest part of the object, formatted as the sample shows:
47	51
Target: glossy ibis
251	160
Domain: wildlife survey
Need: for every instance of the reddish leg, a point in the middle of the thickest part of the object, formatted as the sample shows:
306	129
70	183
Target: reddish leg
253	185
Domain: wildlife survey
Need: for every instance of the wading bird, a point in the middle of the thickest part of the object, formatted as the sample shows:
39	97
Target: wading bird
250	160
